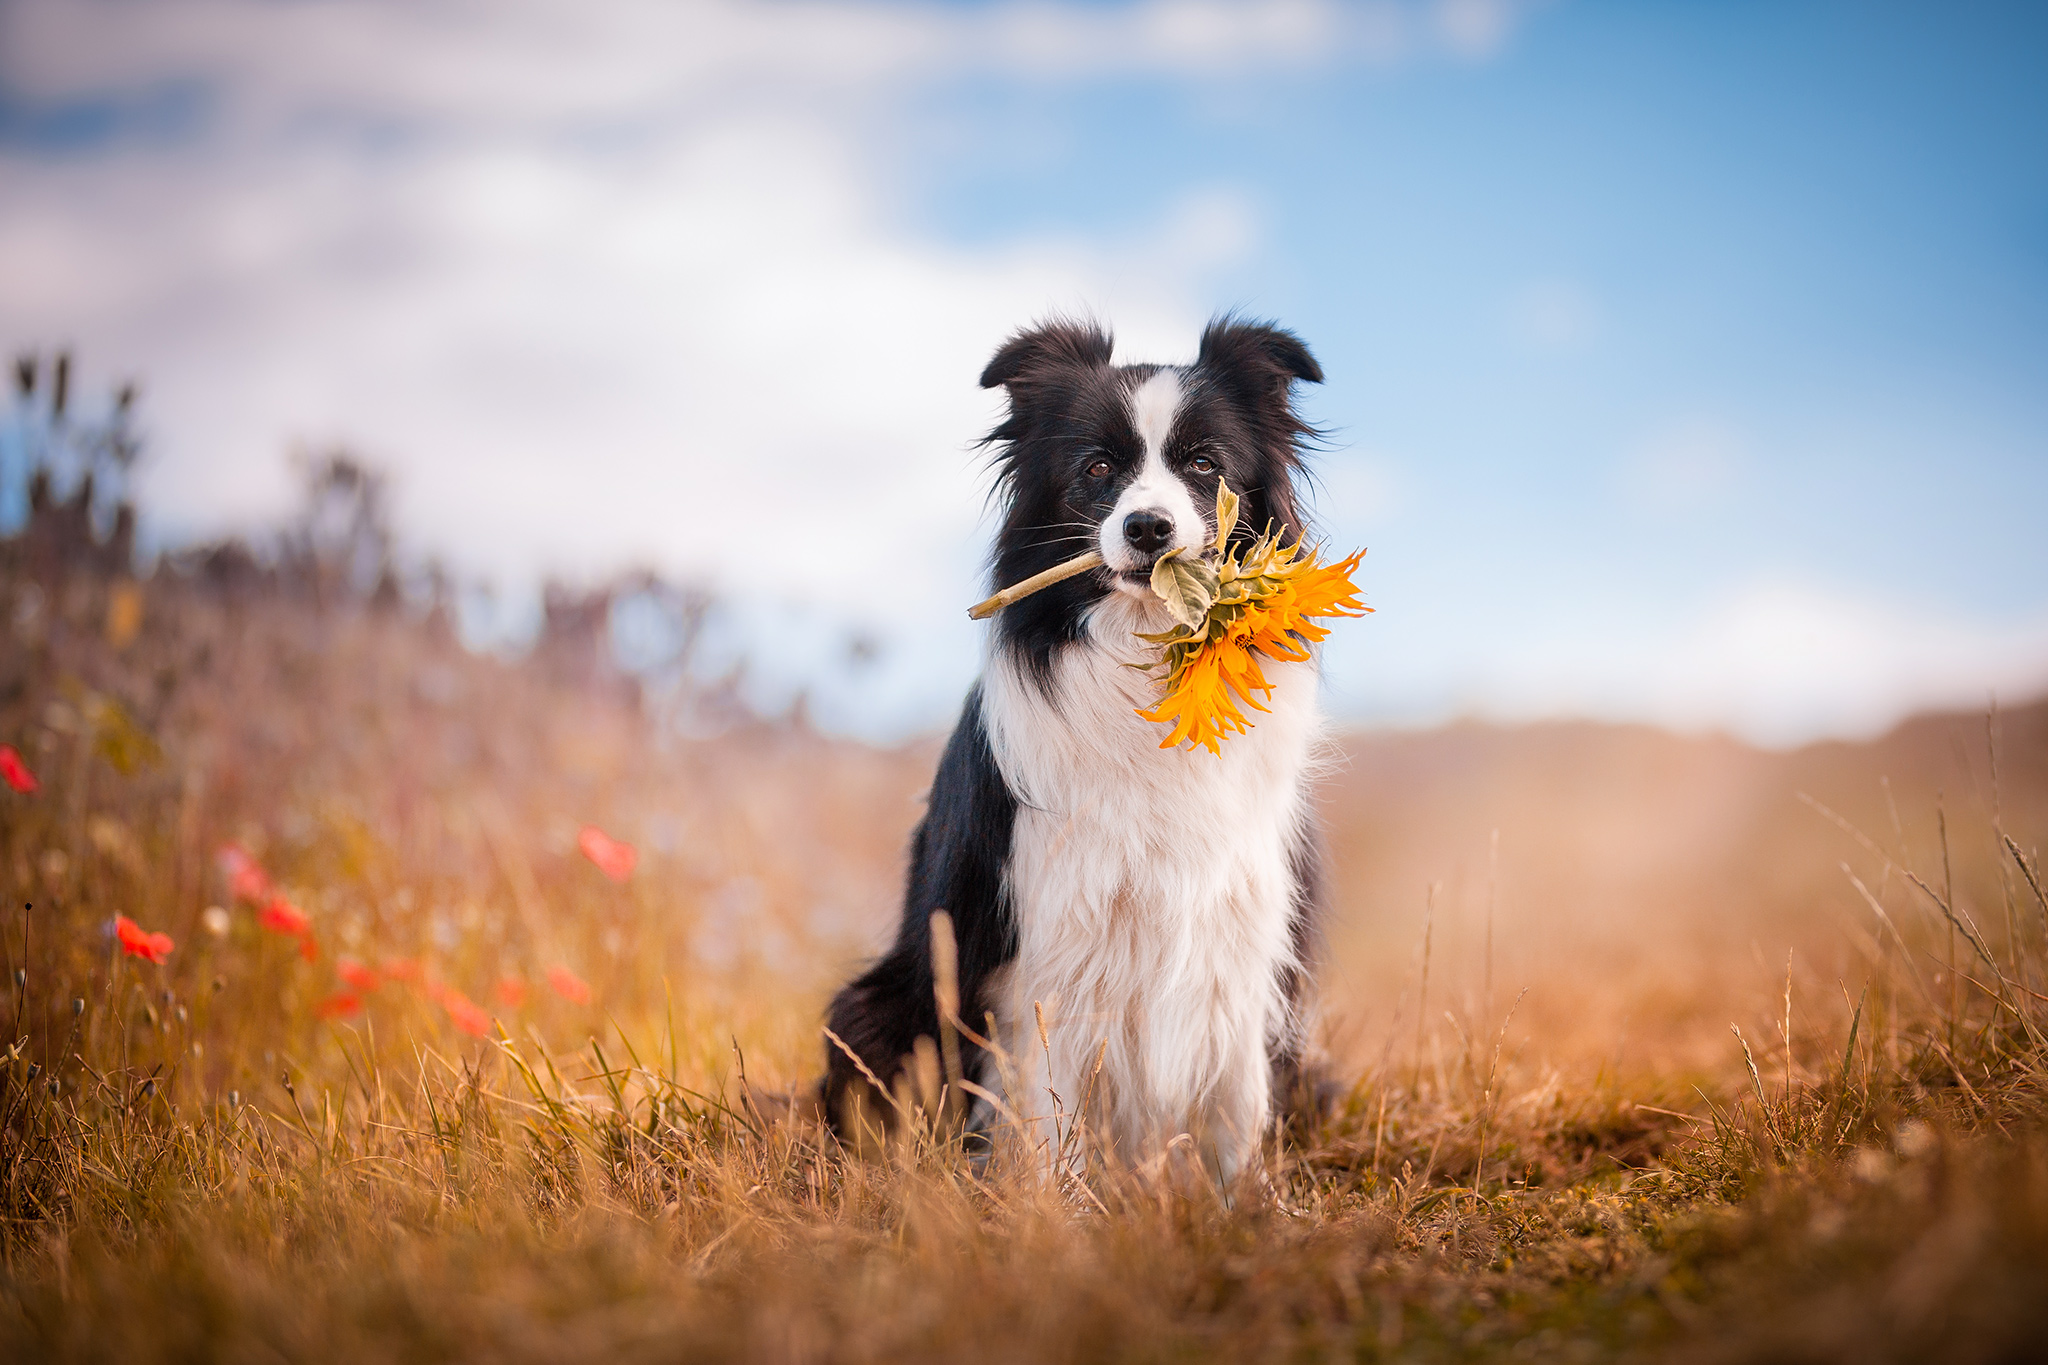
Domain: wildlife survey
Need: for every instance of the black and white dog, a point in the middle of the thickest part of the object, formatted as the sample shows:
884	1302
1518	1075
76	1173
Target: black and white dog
1161	900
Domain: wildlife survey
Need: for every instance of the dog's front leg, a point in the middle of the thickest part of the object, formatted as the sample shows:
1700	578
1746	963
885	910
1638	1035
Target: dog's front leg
1058	1097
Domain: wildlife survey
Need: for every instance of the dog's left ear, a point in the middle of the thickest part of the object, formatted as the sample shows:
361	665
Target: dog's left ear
1256	360
1255	364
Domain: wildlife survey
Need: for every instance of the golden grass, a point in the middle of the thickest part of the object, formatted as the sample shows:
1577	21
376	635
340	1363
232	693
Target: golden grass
198	1164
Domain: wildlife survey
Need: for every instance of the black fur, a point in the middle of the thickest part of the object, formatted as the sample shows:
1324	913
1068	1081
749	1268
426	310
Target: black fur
1295	1090
1069	409
956	865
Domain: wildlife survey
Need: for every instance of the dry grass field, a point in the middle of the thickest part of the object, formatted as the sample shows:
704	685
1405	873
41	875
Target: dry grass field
419	1080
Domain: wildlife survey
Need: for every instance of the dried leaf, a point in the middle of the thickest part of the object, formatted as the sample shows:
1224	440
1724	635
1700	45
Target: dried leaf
1226	513
1186	586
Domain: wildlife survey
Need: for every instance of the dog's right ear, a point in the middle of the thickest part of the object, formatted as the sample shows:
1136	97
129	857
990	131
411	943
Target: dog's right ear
1047	346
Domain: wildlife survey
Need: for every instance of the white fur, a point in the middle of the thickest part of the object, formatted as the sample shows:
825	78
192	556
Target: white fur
1153	894
1153	406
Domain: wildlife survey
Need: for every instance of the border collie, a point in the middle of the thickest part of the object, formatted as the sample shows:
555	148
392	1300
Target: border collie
1157	905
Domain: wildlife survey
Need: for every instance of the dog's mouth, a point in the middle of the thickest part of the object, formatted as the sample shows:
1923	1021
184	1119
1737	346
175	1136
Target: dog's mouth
1142	571
1138	580
1137	576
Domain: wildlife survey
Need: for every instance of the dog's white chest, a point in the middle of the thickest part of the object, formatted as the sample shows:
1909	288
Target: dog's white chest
1152	888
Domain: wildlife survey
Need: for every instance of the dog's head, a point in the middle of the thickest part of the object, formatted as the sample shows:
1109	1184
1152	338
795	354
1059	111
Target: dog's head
1125	459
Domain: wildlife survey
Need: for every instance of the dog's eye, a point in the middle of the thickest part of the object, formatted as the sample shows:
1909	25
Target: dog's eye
1202	464
1099	470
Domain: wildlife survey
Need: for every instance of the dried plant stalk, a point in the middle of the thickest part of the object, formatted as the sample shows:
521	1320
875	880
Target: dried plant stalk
1017	592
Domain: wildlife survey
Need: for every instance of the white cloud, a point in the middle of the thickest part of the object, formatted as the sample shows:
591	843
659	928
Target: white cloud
1477	29
1783	661
474	60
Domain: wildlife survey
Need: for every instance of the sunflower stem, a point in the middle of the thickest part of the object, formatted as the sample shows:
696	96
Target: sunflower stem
1017	592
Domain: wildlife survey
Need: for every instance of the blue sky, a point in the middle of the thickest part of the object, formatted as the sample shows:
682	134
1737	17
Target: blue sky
1685	361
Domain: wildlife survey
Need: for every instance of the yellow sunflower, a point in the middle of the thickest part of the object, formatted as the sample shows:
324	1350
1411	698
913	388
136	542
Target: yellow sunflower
1230	609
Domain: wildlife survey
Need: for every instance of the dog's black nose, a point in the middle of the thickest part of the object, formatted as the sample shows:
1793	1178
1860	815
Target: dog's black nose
1148	532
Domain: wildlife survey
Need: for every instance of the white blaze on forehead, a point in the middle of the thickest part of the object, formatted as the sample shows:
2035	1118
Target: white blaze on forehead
1154	405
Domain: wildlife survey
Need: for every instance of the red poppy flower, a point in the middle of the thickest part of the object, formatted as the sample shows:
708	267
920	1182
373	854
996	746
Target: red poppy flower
246	878
569	986
280	916
359	976
340	1005
15	771
613	858
139	942
511	992
466	1014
